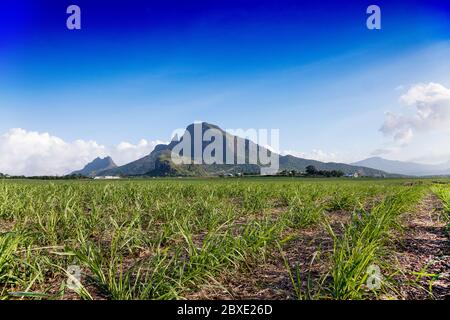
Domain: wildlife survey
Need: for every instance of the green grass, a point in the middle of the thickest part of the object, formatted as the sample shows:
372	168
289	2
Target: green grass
363	242
443	192
165	238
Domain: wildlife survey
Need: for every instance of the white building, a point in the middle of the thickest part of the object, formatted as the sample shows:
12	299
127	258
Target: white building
106	178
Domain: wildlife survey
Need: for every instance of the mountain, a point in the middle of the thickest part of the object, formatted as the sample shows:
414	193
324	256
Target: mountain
96	167
159	161
290	162
405	168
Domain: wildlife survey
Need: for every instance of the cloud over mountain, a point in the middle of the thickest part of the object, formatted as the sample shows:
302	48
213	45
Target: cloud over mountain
428	110
29	153
315	154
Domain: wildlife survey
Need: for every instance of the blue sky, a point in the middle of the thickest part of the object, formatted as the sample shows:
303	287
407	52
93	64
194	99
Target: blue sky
140	69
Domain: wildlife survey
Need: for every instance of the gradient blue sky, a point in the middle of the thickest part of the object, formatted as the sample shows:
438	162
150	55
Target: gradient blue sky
140	69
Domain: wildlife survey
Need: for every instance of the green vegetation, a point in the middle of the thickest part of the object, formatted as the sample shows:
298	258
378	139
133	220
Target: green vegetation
311	171
443	192
363	242
167	238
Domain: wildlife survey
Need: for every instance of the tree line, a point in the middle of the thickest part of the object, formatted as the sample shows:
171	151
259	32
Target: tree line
312	171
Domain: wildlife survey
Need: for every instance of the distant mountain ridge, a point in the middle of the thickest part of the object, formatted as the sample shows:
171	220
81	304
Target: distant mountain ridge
405	168
290	162
96	167
159	163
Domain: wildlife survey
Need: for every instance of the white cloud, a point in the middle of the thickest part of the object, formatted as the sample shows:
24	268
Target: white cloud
315	154
429	111
126	152
32	153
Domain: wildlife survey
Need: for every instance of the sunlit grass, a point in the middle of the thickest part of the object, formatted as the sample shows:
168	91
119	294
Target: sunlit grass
163	239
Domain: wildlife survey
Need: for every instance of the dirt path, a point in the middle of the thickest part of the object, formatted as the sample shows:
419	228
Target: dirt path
422	254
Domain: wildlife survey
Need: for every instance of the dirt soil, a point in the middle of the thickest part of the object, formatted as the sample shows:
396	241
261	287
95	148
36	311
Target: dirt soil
306	252
422	253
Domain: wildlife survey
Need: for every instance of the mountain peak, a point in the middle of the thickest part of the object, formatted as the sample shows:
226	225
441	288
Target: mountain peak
96	166
158	162
204	126
404	168
107	158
